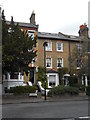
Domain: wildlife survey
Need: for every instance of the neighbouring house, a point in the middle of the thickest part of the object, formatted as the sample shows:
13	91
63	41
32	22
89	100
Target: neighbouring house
58	51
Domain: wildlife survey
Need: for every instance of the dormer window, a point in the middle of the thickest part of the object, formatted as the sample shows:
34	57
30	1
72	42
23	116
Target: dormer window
31	34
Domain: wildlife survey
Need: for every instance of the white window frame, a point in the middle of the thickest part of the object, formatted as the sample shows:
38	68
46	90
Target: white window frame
31	32
61	62
49	46
59	50
50	62
56	79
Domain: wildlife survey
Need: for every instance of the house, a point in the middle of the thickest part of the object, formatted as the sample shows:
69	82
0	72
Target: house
58	52
18	78
32	30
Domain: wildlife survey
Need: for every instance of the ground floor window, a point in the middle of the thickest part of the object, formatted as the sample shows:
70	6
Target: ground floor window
53	80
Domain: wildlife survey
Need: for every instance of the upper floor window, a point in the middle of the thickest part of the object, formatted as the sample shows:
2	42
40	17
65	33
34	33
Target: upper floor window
31	34
59	62
78	63
49	62
59	46
10	30
79	46
49	46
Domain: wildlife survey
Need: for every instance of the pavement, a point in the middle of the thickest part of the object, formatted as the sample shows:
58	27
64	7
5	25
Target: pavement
26	99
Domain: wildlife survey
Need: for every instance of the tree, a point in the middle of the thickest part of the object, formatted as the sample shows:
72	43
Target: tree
41	76
18	48
79	58
61	72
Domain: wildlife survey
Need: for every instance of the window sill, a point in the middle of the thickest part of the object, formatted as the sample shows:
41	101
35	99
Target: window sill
59	50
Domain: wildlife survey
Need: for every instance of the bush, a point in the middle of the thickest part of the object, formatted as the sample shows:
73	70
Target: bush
23	89
88	90
72	80
61	90
41	76
80	87
57	90
71	90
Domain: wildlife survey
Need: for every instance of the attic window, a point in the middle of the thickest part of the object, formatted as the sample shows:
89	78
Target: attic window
31	34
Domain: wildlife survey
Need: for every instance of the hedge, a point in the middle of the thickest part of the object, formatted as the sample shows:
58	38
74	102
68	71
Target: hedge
22	89
88	90
61	90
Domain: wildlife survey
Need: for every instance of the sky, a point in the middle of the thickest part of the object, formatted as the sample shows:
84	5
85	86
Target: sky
52	16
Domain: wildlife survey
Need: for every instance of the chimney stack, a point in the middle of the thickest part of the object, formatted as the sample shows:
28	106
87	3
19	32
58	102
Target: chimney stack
32	18
83	30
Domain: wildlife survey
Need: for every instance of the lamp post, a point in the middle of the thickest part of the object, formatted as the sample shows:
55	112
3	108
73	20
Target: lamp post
45	44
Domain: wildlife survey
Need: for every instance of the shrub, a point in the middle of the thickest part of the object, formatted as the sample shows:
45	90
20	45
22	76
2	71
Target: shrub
57	90
61	90
41	76
72	80
88	90
80	87
71	90
61	72
23	89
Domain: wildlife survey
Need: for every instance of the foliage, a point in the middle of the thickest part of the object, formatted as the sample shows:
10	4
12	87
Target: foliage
41	76
22	89
62	90
61	72
80	54
88	90
80	87
72	80
17	48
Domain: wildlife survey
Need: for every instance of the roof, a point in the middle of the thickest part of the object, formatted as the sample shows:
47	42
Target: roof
57	36
22	24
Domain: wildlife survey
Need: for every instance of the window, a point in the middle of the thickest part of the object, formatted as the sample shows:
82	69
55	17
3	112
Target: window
31	34
10	30
59	46
52	80
59	62
49	63
78	63
49	47
79	46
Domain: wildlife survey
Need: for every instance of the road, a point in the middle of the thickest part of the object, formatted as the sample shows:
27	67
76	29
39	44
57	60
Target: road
63	109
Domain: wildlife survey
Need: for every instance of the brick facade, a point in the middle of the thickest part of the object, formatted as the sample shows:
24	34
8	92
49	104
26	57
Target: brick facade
67	42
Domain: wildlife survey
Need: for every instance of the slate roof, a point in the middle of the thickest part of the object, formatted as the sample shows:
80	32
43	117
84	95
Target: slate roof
22	24
59	36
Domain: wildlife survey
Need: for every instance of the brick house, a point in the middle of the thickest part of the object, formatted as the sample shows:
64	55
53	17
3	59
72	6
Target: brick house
58	51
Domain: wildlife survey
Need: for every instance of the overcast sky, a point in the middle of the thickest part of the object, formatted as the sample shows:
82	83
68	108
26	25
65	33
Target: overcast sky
52	15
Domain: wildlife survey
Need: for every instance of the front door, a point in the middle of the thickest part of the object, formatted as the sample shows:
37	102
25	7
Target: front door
32	75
